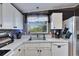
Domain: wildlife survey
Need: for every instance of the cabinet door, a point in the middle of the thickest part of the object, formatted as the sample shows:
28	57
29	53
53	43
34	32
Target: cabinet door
18	20
20	51
31	51
15	53
7	16
45	51
60	49
56	21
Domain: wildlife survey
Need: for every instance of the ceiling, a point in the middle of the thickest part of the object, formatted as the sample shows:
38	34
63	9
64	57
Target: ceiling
35	7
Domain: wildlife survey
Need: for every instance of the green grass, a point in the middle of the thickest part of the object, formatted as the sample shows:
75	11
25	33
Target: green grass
39	29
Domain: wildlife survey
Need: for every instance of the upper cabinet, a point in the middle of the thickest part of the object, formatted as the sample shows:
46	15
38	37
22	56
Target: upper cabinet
56	20
18	20
9	18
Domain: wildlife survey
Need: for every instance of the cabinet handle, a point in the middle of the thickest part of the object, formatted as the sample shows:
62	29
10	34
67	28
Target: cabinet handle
19	49
0	25
59	46
15	26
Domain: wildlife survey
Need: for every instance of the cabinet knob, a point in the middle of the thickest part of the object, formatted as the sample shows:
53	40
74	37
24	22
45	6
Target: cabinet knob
40	50
37	50
19	49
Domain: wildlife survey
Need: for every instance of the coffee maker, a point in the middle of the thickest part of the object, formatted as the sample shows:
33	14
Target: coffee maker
56	33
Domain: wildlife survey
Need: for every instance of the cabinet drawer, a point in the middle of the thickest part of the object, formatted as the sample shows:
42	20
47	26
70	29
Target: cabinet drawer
62	44
45	44
31	45
38	44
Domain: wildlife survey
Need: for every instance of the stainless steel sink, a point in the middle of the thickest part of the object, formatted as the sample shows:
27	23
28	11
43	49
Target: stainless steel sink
36	39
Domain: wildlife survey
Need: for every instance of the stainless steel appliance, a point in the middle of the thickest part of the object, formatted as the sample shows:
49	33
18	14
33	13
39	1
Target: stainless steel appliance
5	39
56	33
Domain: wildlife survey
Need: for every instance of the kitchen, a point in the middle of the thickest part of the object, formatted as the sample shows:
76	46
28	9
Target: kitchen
38	29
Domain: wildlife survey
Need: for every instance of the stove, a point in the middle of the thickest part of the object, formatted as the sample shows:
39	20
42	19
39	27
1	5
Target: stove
3	52
5	39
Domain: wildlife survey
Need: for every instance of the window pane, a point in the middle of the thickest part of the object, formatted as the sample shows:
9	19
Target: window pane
37	24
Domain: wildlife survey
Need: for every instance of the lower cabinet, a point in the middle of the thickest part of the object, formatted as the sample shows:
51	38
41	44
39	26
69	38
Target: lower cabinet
31	51
46	51
19	51
38	49
42	49
60	49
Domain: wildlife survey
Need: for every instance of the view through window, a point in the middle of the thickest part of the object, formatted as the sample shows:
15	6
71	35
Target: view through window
37	23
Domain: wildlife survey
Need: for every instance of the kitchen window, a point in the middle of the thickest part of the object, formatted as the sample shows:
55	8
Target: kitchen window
37	23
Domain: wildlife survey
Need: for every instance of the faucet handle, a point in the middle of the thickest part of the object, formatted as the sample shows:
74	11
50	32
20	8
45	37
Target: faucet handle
37	35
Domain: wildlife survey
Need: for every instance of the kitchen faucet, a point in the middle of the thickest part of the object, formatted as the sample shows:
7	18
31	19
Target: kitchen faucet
30	36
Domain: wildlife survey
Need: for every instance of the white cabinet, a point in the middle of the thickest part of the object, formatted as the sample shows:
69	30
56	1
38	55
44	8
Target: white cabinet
18	21
10	17
56	20
60	49
45	51
19	51
31	51
38	49
41	49
7	16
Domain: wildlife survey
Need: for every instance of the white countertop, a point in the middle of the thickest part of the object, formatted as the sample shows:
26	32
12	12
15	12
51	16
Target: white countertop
24	39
